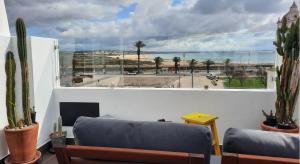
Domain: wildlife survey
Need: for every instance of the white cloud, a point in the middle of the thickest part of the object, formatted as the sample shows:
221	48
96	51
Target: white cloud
94	23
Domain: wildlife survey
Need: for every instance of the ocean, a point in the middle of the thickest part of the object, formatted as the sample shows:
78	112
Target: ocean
251	57
243	57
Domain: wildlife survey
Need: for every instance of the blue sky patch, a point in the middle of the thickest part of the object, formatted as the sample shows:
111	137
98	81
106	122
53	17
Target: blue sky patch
126	10
176	2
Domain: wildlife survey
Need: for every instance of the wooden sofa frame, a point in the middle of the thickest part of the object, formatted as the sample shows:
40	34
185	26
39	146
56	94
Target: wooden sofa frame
232	158
74	154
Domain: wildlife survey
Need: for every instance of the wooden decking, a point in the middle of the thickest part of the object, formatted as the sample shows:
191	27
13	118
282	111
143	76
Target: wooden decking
48	158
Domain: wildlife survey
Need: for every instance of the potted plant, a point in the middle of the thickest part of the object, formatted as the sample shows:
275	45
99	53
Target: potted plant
21	136
270	119
58	137
287	80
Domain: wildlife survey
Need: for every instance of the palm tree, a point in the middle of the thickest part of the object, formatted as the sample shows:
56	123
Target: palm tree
158	60
227	65
208	63
192	65
176	61
228	70
139	44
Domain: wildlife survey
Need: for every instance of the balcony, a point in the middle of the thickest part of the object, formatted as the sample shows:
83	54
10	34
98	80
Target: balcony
233	84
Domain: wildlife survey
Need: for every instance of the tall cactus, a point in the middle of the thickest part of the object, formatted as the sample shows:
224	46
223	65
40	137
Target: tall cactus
22	49
10	69
287	81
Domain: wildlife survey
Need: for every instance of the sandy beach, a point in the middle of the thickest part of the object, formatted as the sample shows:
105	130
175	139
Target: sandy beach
169	62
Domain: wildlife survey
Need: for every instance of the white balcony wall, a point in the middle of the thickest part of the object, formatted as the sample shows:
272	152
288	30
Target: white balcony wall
235	108
41	62
44	75
4	47
4	28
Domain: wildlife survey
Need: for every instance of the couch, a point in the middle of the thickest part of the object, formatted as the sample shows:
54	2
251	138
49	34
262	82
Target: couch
243	146
114	141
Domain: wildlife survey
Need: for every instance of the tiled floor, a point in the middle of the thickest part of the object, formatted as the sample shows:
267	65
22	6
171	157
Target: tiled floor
51	159
48	158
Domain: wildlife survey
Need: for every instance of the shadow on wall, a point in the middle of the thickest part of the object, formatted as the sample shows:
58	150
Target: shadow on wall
46	121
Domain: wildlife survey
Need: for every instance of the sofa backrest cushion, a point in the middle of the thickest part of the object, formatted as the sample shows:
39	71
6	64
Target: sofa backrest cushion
257	142
164	136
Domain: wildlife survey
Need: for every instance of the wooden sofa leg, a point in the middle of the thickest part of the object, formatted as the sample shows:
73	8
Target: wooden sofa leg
229	158
61	155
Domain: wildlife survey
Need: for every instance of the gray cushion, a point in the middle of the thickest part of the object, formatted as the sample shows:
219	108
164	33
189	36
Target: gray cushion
165	136
257	142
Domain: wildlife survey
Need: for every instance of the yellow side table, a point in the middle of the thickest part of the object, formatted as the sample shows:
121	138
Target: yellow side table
207	120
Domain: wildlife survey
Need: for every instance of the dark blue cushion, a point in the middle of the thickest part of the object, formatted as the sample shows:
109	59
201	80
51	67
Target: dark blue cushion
163	136
257	142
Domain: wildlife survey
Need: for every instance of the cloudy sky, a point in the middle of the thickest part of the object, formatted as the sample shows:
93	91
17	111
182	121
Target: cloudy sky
164	25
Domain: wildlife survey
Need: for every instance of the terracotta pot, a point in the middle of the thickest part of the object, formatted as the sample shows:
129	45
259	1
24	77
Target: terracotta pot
22	143
274	129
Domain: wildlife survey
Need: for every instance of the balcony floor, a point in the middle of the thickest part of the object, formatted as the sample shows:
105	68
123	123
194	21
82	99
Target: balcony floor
49	158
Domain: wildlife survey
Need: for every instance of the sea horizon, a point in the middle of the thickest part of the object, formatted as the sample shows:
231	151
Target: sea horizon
251	57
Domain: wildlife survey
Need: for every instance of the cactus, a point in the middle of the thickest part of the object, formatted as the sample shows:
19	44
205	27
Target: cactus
22	49
60	133
10	69
55	128
287	81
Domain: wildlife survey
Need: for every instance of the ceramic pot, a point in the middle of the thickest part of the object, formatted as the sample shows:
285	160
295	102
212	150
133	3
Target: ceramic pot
22	143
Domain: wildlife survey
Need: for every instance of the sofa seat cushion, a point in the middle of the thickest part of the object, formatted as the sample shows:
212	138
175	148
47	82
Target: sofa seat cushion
164	136
257	142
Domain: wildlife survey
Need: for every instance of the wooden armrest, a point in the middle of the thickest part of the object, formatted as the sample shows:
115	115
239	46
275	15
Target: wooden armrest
232	158
125	155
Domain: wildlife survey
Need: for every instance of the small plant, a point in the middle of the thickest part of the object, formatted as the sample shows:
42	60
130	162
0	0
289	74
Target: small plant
58	137
270	118
57	128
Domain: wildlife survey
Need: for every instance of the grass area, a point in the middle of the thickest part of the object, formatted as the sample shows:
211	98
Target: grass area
248	83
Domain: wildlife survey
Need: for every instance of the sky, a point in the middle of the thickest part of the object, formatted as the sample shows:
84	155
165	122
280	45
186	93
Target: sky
163	25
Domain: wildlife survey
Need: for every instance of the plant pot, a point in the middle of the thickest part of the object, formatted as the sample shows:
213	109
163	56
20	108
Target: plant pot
22	143
58	140
271	121
275	129
33	115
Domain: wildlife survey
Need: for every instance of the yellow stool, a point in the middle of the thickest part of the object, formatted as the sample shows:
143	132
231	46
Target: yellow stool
205	119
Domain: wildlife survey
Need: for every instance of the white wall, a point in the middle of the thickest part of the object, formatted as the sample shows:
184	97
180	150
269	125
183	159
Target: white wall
4	47
235	108
41	58
4	28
